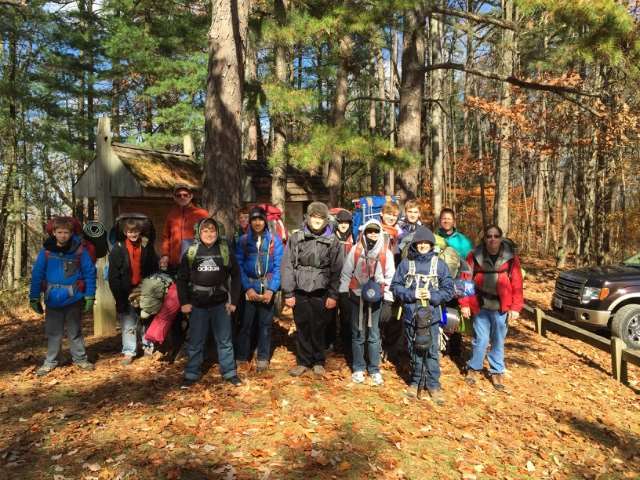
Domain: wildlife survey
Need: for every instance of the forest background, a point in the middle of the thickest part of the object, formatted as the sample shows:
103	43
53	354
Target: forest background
522	112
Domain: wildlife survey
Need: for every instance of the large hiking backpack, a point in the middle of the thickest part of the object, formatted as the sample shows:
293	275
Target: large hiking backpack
446	253
152	292
369	208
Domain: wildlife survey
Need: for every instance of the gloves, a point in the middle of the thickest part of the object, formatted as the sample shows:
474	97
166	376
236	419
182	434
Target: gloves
36	306
88	304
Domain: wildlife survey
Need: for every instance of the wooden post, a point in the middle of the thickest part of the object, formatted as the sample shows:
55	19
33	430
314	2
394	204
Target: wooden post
187	145
104	311
540	330
618	365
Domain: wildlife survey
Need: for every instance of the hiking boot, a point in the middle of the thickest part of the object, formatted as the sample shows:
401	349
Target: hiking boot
376	379
473	376
44	370
127	360
412	391
187	383
497	380
298	371
357	377
235	381
86	365
319	370
437	396
262	366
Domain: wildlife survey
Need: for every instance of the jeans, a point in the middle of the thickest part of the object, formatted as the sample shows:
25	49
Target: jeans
311	317
429	362
132	327
488	326
201	321
368	335
54	322
263	313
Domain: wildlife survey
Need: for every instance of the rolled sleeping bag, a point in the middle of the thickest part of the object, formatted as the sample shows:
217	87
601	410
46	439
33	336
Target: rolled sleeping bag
95	233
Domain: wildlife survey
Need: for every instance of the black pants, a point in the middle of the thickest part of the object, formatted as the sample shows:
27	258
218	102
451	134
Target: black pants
392	332
311	317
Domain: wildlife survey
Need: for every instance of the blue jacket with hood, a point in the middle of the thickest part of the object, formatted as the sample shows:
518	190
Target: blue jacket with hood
255	265
60	273
439	296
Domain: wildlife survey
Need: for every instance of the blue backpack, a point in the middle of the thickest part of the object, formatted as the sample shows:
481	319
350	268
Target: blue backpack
369	208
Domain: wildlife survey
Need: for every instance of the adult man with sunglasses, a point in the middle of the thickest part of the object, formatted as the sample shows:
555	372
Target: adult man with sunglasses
177	234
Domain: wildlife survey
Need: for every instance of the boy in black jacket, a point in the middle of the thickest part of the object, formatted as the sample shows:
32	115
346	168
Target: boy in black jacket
205	295
132	259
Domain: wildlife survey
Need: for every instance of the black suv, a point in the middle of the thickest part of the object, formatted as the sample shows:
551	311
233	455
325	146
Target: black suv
602	297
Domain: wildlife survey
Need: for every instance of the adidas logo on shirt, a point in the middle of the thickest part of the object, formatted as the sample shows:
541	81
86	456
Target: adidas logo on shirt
208	265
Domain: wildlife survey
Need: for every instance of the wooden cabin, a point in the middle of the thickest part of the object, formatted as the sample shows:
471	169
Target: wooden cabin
127	178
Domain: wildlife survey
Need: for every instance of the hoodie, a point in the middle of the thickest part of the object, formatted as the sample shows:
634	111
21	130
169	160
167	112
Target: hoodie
208	272
353	276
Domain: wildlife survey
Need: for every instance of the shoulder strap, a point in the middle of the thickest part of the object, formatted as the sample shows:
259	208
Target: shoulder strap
411	273
433	272
191	253
224	251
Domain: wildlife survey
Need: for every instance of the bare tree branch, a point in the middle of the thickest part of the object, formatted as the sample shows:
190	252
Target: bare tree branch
474	17
518	82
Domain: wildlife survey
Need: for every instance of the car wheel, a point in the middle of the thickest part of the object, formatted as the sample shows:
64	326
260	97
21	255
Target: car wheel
626	325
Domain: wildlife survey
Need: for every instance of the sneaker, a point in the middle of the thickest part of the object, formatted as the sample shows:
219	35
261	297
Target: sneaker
148	351
319	370
472	376
262	366
497	381
376	379
127	360
412	391
44	370
357	377
298	371
86	365
235	381
437	396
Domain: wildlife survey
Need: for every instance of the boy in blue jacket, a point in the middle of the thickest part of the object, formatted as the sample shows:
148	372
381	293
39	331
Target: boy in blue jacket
422	283
65	273
259	253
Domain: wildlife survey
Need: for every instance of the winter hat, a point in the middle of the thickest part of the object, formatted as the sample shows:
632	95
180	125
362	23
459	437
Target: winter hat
318	209
372	226
257	212
423	234
344	216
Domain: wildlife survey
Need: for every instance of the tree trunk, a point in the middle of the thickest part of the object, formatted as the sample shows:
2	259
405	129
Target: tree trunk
278	153
390	179
222	181
334	178
501	208
411	93
250	119
438	138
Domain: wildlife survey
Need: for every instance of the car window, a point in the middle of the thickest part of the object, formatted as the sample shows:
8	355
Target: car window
633	261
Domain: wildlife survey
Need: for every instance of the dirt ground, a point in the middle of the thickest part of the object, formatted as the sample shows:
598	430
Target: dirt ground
563	416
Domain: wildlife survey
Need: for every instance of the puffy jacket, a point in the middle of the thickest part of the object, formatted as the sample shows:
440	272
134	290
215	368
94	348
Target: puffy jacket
178	231
120	270
459	242
260	267
504	278
368	263
66	274
406	295
312	262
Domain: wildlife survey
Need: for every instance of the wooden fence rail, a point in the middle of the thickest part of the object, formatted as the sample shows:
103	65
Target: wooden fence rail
621	356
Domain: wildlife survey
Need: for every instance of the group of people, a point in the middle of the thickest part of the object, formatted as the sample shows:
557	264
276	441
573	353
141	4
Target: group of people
382	290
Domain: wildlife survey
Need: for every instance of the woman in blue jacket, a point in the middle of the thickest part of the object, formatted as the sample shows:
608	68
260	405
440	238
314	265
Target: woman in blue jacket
259	253
422	283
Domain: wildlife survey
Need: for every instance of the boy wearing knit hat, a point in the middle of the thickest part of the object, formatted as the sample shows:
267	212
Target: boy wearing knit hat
259	253
423	284
311	268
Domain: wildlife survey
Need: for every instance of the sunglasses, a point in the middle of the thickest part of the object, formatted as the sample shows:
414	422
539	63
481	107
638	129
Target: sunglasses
182	195
493	236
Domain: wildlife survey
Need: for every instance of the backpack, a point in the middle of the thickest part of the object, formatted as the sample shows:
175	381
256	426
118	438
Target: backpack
358	253
369	208
152	292
447	254
224	252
